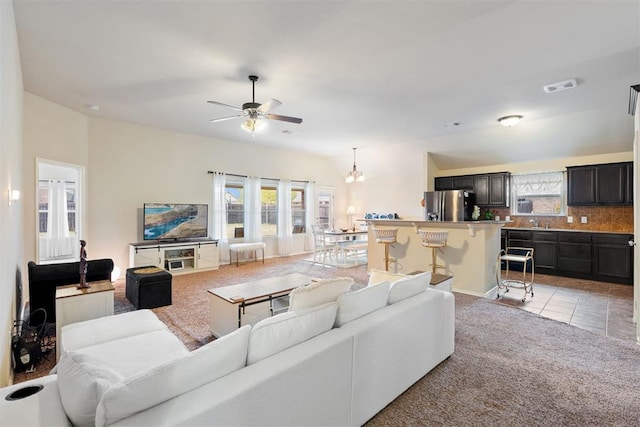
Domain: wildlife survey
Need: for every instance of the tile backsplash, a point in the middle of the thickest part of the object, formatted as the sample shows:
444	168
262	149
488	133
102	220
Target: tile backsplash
617	219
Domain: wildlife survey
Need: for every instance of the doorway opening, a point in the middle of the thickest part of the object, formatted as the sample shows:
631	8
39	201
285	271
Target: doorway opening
60	204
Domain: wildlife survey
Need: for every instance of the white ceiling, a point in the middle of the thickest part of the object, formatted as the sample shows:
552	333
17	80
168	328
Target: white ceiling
360	73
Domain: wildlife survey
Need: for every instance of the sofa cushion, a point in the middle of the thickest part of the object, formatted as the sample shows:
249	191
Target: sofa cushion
379	276
409	286
82	380
131	355
160	383
359	303
277	333
76	336
320	292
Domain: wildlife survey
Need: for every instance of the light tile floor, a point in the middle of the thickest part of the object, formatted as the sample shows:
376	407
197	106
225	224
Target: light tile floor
602	308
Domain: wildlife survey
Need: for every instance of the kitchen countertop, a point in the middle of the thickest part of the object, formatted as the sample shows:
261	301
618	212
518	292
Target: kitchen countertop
505	225
565	229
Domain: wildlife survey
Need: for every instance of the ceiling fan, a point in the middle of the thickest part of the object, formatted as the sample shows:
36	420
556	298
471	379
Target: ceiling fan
253	112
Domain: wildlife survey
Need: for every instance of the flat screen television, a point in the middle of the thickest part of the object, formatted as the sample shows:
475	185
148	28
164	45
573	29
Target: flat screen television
175	221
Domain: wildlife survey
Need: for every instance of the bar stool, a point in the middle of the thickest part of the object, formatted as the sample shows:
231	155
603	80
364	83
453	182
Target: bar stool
386	236
434	239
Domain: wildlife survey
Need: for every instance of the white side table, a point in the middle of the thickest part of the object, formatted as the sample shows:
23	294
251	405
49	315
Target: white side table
76	305
442	282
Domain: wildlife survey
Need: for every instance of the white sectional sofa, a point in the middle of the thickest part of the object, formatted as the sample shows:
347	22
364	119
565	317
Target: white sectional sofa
335	359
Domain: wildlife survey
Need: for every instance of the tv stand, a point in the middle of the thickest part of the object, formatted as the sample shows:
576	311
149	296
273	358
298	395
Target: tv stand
176	256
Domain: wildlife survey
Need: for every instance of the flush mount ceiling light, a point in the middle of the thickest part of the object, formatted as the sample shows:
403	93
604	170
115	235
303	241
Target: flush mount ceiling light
509	121
355	175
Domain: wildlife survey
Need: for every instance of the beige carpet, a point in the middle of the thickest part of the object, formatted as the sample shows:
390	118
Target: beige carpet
510	367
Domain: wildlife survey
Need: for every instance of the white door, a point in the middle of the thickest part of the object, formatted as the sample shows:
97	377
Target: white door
324	206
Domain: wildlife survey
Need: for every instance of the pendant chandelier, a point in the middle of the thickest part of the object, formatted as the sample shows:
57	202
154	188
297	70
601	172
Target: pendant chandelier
355	175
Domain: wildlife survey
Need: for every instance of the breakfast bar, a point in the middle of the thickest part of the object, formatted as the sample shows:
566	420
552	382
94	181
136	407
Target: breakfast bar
470	255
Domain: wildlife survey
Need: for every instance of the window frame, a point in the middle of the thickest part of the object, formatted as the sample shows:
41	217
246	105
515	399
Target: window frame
267	185
233	226
298	211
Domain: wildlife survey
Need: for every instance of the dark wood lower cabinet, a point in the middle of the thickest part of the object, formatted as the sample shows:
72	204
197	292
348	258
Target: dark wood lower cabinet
574	253
605	257
613	256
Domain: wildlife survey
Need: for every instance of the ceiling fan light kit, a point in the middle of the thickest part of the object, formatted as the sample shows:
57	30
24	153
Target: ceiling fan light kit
254	112
354	175
508	121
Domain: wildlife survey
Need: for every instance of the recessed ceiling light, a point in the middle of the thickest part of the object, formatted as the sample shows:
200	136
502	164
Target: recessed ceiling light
93	107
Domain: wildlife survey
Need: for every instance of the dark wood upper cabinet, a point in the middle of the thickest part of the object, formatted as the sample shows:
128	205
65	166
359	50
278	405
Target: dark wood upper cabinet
481	188
443	183
611	183
499	189
581	184
607	184
491	190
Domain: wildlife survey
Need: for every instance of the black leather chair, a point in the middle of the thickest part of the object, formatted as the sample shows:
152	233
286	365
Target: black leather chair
44	278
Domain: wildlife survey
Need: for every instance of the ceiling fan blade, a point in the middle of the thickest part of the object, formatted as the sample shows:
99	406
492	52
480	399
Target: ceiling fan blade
225	105
269	105
222	119
283	118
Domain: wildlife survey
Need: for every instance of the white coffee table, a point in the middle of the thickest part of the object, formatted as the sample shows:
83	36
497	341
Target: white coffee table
228	304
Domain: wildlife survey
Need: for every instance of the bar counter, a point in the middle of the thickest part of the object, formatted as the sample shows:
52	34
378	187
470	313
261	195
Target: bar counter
470	255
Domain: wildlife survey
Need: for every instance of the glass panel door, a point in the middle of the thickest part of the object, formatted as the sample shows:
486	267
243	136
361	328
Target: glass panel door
324	207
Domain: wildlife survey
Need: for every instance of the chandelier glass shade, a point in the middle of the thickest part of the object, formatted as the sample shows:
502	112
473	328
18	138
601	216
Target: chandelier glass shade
355	175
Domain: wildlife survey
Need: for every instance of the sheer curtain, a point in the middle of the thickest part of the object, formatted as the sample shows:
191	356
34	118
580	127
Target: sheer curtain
253	210
57	242
219	213
285	227
310	206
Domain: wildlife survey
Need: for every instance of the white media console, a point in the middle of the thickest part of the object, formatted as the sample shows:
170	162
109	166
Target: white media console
177	257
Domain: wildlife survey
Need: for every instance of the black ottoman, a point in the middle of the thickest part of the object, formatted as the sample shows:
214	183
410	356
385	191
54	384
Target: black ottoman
148	287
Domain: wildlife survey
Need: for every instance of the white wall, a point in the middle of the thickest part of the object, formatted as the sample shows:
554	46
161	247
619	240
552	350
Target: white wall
543	165
128	165
394	181
50	132
10	177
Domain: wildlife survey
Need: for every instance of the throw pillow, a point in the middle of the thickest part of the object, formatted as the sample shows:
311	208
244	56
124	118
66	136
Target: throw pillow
161	383
275	334
353	305
379	276
409	286
82	381
320	292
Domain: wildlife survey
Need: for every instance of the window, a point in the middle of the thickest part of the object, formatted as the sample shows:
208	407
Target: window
234	198
538	193
269	207
298	210
45	205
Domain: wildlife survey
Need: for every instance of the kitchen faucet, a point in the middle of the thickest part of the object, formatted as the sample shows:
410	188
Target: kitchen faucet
534	221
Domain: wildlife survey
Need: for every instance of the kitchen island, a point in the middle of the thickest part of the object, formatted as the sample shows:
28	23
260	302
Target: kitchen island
470	255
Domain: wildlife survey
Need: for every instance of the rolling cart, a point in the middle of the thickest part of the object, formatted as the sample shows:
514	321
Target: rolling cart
517	255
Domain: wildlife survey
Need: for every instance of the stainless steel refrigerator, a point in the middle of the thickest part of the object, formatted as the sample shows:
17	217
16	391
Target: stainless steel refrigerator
450	205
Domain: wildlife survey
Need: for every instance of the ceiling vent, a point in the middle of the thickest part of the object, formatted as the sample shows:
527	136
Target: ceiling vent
560	86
